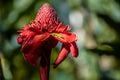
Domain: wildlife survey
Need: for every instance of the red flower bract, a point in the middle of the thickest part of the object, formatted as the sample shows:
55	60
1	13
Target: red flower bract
42	35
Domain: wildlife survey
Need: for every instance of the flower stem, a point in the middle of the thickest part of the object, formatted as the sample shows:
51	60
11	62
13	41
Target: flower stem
45	65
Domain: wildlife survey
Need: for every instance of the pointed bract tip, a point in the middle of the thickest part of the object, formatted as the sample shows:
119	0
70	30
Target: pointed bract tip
46	4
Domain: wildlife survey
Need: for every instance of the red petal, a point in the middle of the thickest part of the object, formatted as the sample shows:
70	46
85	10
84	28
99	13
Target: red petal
61	28
66	37
32	59
26	27
74	49
31	48
62	55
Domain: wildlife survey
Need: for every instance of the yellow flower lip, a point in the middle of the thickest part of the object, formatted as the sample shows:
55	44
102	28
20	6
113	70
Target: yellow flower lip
57	35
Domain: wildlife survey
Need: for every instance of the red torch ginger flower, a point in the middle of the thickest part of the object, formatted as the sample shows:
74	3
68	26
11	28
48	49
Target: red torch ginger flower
43	34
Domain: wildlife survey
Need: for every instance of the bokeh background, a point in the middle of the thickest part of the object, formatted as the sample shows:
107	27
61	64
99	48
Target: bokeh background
97	24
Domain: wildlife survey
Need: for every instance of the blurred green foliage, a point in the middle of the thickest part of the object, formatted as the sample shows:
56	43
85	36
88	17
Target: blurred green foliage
97	24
